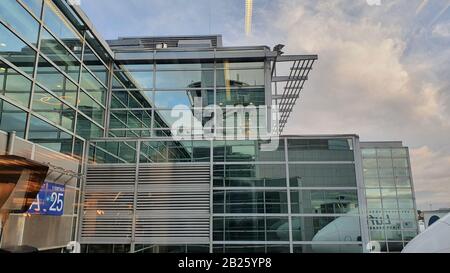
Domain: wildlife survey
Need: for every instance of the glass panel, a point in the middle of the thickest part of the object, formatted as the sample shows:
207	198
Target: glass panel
384	153
20	20
236	78
368	153
12	119
35	6
403	182
90	84
87	129
140	79
317	201
14	85
59	55
250	175
246	151
322	175
49	136
373	193
62	28
250	228
400	152
98	47
191	98
53	109
184	79
95	65
89	107
320	150
241	96
54	80
400	163
344	228
16	51
250	202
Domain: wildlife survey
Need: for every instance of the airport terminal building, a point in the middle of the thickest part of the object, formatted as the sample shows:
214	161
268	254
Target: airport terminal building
175	144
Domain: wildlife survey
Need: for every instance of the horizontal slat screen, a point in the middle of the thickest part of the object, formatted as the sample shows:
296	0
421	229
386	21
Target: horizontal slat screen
172	204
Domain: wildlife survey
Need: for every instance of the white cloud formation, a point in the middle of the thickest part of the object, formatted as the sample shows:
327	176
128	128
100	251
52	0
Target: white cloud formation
366	82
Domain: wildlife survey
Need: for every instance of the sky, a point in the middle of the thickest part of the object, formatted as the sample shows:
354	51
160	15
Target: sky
383	68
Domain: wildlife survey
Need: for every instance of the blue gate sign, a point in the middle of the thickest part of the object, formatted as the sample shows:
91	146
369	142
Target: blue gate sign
49	201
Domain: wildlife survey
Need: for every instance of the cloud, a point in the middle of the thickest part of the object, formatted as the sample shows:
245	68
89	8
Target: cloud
369	80
442	30
431	168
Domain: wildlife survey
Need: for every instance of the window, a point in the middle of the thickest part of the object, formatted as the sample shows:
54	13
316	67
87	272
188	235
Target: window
251	228
91	108
238	78
250	201
319	229
20	20
49	136
250	175
92	86
35	6
16	51
322	175
319	201
59	55
62	28
12	119
87	129
53	109
320	150
14	85
184	79
95	65
54	80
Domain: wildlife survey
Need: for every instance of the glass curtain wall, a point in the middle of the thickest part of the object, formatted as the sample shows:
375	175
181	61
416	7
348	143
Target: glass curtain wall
52	73
289	200
390	200
53	77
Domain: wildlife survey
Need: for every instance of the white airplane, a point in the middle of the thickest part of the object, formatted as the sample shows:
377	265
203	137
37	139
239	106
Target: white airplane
347	229
435	239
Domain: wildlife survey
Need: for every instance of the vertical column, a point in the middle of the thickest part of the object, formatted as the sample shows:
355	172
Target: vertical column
288	190
136	184
361	193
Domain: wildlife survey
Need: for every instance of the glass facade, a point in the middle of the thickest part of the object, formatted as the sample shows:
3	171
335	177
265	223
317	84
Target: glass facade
260	202
61	89
389	190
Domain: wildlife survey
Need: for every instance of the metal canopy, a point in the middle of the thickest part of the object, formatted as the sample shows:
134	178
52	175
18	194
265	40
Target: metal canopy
286	98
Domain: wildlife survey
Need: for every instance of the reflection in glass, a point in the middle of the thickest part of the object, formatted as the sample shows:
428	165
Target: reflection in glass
53	109
54	80
322	175
325	228
91	85
62	28
250	175
59	55
13	85
20	20
320	201
16	51
12	119
49	136
91	108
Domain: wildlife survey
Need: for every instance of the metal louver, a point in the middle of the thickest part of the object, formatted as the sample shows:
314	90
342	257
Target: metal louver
171	204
